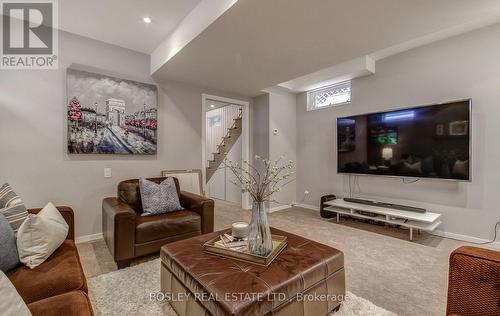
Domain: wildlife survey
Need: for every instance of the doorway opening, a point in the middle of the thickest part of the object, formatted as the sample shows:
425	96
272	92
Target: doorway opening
225	136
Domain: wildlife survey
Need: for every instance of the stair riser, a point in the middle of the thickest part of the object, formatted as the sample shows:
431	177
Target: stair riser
226	144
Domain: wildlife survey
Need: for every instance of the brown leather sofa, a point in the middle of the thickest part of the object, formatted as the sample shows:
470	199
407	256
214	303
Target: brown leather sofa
130	235
474	282
57	286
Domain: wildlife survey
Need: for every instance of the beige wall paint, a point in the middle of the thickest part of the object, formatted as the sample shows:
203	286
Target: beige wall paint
33	132
466	66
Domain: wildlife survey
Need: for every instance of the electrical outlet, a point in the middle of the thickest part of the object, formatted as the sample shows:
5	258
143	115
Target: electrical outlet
107	173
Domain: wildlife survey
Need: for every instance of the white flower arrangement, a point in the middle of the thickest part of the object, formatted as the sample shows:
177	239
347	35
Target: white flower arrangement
262	185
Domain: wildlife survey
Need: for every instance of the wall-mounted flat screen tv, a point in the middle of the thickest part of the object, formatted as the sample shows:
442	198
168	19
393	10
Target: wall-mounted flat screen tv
421	142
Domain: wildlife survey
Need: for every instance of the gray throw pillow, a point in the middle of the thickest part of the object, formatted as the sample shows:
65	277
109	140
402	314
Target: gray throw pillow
12	207
8	197
9	258
159	198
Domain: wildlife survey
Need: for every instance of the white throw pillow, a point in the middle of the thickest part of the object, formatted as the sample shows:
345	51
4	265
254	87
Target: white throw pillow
11	303
40	235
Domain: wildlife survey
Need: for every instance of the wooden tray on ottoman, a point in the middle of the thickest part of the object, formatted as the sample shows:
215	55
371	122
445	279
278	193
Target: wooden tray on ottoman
279	243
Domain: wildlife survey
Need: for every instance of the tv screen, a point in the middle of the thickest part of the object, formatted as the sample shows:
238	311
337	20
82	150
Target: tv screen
423	142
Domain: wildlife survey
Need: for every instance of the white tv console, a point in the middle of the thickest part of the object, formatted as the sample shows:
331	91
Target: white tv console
427	221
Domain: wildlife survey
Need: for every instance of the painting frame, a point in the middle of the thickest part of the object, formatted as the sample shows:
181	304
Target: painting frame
110	115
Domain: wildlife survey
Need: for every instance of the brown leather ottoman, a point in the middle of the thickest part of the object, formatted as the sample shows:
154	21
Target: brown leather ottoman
307	278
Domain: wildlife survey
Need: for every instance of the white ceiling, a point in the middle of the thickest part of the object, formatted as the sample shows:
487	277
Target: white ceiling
120	22
257	44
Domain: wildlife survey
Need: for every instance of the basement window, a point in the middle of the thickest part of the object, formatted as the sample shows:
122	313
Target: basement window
333	95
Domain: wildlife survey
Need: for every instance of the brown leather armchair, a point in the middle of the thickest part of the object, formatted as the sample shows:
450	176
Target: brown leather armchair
130	235
474	282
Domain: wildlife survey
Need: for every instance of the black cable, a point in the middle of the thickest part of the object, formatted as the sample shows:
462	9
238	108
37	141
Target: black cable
410	182
494	236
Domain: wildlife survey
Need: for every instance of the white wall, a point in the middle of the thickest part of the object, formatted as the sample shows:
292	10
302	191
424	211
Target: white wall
33	132
214	134
233	192
282	116
467	66
276	109
221	185
261	126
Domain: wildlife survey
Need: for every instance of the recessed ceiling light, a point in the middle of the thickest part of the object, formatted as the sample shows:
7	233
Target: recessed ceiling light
212	106
147	20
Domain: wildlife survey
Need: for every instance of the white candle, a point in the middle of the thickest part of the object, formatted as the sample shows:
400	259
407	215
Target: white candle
239	230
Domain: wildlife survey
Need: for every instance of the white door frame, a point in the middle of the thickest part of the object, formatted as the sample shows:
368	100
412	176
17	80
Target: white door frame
245	198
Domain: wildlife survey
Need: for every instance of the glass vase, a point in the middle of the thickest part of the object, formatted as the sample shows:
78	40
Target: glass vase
259	235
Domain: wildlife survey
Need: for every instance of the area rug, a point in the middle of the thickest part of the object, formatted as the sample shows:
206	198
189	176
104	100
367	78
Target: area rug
128	292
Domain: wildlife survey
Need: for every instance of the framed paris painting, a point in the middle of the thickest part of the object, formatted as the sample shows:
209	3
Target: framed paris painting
108	115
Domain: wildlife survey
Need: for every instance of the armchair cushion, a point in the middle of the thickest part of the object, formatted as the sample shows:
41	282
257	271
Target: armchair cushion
60	273
150	228
68	304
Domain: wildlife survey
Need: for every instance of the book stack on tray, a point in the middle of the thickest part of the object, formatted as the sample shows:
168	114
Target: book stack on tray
227	246
229	242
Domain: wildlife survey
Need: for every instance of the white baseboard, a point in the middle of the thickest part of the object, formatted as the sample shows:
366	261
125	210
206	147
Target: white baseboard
279	208
465	238
439	233
88	238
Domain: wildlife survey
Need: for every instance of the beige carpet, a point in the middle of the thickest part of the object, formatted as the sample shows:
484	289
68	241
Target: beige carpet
382	266
128	292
